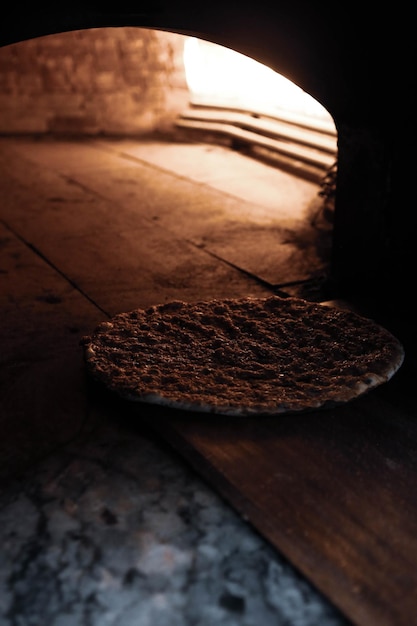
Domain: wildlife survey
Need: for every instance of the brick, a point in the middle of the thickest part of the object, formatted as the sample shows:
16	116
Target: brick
102	79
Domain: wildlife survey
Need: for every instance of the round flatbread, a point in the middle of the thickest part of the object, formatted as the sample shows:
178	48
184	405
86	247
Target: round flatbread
245	356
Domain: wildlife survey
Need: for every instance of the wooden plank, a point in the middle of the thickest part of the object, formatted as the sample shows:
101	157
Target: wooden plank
248	180
140	197
270	127
332	490
302	153
274	115
70	259
113	252
43	400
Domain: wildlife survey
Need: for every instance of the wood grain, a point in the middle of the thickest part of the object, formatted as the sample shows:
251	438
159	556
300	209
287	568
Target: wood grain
332	490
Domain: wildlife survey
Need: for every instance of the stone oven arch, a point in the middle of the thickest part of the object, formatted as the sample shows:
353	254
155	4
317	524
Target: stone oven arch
340	55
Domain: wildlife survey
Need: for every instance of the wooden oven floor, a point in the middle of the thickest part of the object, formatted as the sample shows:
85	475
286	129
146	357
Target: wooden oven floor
92	228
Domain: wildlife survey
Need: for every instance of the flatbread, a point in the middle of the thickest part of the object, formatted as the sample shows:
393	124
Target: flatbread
265	356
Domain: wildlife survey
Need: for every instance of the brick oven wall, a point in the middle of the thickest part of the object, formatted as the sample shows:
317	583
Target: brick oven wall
111	81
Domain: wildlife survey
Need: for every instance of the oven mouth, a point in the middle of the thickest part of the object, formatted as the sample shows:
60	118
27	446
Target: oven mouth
258	110
78	79
365	242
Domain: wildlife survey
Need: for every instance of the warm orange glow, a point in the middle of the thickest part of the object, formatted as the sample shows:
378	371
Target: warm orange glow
219	76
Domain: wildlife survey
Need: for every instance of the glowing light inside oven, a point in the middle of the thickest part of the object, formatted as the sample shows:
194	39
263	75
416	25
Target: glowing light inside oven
219	76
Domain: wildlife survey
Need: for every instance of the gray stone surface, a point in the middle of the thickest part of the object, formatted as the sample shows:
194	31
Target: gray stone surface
117	530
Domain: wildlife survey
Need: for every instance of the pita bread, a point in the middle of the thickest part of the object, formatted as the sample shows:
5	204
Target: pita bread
246	356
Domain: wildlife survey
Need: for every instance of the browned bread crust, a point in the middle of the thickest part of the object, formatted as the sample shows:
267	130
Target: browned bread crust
245	356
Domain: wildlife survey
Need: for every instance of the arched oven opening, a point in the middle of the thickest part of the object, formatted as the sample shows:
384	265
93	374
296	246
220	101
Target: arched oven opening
347	74
331	490
144	85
